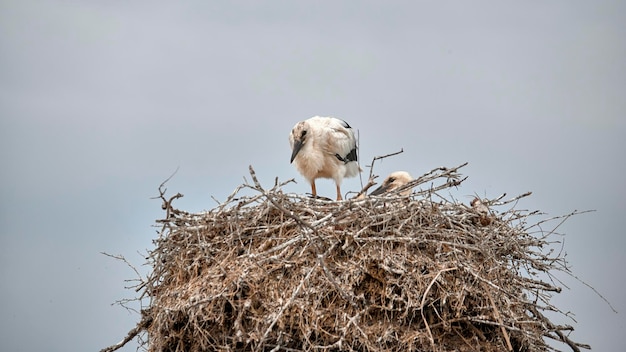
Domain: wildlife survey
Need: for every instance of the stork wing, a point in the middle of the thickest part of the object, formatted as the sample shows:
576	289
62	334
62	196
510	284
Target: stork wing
340	141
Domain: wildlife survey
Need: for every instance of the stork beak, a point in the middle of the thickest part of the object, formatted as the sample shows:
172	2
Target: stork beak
379	190
297	145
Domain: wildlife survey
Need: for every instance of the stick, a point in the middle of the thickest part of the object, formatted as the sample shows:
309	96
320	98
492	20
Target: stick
167	204
496	313
363	192
430	334
382	157
573	345
142	325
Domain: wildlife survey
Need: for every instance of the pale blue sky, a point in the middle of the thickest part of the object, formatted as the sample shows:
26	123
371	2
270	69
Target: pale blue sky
101	101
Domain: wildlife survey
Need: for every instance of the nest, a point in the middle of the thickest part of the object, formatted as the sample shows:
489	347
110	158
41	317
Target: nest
282	272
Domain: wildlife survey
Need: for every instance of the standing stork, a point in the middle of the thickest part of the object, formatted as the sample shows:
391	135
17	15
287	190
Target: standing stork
395	180
324	147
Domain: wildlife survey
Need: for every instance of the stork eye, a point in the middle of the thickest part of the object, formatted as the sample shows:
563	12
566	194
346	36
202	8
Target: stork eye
303	133
391	179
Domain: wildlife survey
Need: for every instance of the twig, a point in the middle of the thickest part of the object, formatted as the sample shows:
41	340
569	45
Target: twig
573	345
496	313
279	206
121	257
288	303
141	326
380	158
430	334
167	203
498	201
363	192
595	291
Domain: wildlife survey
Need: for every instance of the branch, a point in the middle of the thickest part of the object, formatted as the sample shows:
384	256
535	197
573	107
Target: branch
430	334
294	294
363	192
167	203
142	325
380	158
496	314
288	213
573	345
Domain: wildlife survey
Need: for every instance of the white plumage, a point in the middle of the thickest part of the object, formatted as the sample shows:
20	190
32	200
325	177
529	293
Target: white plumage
324	147
395	180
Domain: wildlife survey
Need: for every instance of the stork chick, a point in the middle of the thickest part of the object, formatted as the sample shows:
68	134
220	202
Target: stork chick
395	180
484	216
324	147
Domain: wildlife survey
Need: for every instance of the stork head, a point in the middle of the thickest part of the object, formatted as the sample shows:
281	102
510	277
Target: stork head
479	206
393	181
297	138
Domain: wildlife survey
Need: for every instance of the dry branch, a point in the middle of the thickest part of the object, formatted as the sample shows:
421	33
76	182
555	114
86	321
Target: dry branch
141	327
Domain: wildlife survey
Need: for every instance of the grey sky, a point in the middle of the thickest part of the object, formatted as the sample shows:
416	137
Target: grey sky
101	101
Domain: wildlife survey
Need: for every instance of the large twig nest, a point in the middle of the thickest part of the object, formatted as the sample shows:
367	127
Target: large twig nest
276	271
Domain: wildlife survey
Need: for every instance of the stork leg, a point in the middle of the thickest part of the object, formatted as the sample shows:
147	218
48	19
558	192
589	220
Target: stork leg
313	189
339	193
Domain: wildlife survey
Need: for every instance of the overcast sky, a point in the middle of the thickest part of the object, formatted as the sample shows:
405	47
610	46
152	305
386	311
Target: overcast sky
102	101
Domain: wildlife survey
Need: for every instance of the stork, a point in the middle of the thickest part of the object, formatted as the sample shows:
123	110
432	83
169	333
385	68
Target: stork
324	147
395	180
484	216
